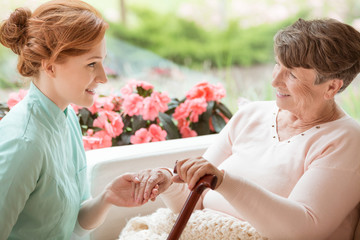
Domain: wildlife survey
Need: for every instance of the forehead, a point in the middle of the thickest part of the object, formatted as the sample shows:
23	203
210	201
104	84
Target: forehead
99	50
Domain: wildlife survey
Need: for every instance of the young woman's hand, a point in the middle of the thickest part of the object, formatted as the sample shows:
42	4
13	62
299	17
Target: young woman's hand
191	170
122	191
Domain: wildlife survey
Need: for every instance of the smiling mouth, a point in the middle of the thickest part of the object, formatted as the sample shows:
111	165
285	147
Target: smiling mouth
91	91
282	94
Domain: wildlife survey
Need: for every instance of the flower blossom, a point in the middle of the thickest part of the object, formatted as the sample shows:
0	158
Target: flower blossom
197	107
133	104
98	140
191	108
141	136
185	130
154	104
154	134
111	122
16	97
75	107
207	90
96	107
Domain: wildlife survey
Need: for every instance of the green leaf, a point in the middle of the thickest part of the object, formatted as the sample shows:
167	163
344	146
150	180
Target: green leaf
169	126
224	110
138	122
209	110
218	122
174	103
201	127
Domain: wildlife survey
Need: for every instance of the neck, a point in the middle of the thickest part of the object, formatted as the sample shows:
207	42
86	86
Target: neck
45	86
327	113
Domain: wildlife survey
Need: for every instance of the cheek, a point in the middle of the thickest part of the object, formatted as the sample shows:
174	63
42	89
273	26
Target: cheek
303	95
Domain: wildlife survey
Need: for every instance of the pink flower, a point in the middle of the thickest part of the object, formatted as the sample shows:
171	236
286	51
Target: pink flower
117	101
141	136
15	98
162	100
131	86
133	104
150	110
145	85
111	122
107	103
206	90
182	111
157	133
96	107
98	140
186	132
197	106
126	90
76	108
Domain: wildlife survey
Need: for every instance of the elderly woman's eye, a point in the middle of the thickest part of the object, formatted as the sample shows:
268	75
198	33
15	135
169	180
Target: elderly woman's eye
292	75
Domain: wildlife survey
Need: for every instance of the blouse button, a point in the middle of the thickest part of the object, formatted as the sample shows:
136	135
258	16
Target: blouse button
317	127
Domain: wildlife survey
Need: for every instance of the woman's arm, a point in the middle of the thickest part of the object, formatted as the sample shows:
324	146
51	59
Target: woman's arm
315	208
120	192
20	164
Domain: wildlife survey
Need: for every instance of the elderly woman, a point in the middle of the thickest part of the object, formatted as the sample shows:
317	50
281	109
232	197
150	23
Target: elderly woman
289	167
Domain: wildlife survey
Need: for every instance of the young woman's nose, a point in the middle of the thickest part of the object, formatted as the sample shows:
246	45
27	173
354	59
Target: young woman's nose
101	75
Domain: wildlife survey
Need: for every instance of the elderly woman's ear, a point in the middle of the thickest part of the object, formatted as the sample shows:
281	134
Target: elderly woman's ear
333	87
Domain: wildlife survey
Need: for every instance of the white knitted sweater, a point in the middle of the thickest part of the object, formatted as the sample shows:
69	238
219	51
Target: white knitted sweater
202	225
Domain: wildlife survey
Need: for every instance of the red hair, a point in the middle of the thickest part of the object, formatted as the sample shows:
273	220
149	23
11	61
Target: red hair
54	31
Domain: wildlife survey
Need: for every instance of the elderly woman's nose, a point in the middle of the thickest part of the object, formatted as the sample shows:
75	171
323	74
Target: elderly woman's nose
277	76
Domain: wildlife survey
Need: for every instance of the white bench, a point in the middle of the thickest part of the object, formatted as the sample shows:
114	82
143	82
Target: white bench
105	164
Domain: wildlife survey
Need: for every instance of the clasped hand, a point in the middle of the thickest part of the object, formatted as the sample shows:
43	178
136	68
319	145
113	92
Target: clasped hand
152	182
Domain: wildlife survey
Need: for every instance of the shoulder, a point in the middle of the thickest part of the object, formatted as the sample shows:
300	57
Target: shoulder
22	124
73	121
20	152
255	111
336	145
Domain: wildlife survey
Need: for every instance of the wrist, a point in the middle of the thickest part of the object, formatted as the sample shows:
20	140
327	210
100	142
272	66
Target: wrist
168	171
221	178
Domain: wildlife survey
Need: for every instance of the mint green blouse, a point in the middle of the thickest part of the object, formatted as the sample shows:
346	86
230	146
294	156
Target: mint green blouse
42	170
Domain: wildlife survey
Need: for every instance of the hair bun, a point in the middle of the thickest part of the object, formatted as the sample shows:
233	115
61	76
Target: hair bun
13	31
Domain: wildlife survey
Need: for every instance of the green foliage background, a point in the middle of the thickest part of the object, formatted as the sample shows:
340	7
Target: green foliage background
188	44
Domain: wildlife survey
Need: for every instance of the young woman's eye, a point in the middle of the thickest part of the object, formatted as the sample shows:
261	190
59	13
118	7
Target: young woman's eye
92	64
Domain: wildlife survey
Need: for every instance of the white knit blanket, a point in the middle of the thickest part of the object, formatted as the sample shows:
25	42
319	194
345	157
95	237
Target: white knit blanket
202	225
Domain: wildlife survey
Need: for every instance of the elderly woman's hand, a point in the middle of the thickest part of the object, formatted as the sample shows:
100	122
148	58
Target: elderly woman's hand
191	170
152	182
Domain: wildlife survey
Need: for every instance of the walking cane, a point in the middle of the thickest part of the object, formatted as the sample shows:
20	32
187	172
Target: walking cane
207	181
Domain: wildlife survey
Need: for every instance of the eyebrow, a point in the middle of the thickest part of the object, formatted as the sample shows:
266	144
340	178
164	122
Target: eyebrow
96	57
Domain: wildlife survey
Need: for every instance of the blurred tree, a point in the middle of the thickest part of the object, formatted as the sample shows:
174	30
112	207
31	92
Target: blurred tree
123	12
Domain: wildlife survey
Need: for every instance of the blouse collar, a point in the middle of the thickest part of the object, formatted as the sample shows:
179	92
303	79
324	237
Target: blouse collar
52	111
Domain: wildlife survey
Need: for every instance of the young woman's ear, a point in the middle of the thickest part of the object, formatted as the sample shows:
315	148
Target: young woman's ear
48	68
334	86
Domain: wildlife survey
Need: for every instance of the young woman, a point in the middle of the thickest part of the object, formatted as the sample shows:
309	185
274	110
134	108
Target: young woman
61	47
